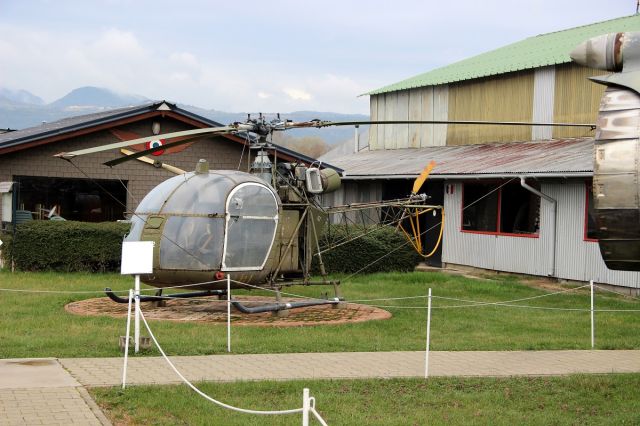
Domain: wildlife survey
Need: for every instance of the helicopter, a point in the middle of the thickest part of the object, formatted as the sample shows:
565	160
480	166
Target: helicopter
617	146
263	227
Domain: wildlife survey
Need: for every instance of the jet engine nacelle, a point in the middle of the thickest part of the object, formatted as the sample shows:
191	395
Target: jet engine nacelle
616	178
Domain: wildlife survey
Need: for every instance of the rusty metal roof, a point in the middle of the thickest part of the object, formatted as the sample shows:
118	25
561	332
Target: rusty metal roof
552	158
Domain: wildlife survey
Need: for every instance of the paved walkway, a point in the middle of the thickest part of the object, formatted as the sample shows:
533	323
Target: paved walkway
50	391
40	392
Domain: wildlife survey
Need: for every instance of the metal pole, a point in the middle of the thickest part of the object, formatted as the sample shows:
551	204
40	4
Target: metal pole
126	341
306	405
228	313
136	327
426	356
593	323
356	142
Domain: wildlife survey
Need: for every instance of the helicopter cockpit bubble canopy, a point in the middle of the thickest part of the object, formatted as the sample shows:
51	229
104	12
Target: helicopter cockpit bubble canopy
209	221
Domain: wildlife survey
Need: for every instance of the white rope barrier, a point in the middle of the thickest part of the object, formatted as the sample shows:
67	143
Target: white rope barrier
204	395
513	300
548	308
23	290
468	303
616	292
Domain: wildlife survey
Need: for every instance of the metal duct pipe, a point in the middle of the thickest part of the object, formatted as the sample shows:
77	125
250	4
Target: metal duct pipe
275	307
554	216
145	298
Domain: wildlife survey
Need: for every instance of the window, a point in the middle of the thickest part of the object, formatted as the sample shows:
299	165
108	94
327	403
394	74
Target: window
95	200
494	208
251	223
590	228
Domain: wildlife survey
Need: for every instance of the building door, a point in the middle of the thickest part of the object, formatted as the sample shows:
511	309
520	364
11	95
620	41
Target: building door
430	224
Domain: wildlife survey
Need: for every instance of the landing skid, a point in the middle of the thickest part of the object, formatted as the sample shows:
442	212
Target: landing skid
272	307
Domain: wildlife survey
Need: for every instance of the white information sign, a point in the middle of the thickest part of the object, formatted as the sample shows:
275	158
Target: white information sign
137	257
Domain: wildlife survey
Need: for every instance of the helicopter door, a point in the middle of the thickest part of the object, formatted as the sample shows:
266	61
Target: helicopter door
251	222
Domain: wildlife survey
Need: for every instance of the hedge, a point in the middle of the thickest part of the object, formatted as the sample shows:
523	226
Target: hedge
67	246
355	255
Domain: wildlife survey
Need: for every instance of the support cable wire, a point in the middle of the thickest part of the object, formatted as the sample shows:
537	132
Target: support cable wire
134	213
347	239
204	395
423	233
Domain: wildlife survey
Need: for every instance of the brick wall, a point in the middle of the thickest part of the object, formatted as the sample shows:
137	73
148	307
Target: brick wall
222	154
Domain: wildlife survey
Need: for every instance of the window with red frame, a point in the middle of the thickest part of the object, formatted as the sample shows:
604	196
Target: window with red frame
495	209
590	229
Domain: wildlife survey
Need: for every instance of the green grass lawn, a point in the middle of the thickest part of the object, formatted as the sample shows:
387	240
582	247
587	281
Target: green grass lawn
35	325
572	400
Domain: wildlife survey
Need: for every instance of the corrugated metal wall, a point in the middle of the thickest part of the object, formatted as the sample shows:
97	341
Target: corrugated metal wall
354	192
502	253
576	99
429	103
507	97
543	97
560	94
576	259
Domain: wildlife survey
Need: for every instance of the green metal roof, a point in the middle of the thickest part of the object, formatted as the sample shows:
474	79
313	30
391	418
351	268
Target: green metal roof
533	52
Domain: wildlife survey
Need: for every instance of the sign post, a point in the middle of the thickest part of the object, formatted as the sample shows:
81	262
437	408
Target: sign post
137	259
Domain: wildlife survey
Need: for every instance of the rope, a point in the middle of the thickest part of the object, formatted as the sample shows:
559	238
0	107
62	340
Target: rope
508	306
616	292
204	395
22	290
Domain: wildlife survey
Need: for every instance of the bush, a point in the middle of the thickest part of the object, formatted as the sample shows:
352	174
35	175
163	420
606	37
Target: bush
68	246
399	256
5	252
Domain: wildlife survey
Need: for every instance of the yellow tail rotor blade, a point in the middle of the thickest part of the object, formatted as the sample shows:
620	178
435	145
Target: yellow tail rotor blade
423	176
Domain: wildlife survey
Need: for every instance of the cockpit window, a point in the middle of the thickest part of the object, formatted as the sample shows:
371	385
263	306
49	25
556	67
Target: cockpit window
192	243
251	222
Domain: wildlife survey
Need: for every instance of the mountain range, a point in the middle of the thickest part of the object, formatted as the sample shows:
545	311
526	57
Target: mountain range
20	109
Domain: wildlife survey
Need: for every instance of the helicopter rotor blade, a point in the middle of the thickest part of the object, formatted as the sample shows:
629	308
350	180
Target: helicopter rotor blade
423	176
155	163
138	154
204	131
319	123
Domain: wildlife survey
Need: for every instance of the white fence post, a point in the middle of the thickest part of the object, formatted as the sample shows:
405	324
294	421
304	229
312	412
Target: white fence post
593	322
136	327
306	407
426	356
228	313
126	341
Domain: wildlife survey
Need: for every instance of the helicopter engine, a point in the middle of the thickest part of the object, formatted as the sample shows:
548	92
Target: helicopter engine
616	180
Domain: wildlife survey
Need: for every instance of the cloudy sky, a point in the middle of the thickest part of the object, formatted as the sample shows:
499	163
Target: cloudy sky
271	56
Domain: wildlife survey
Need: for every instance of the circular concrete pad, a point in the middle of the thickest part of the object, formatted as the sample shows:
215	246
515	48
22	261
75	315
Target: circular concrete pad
215	311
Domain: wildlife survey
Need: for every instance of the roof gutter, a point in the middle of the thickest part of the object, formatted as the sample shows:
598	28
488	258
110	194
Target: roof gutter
554	216
559	175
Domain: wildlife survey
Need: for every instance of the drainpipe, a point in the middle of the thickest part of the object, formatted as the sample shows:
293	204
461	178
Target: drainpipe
554	208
